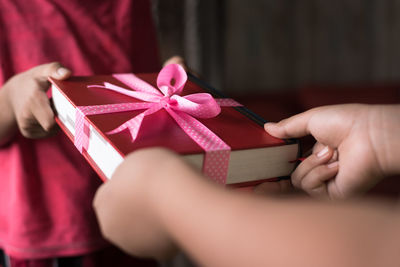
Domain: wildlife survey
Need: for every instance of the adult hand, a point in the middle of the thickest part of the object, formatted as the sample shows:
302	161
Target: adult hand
354	150
25	95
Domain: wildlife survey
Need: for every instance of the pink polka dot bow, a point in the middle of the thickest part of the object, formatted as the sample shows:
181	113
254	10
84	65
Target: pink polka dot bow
183	109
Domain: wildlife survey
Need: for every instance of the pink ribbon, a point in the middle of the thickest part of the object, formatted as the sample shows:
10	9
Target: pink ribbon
182	109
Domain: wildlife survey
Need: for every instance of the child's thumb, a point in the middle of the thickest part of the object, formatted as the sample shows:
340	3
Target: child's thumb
54	70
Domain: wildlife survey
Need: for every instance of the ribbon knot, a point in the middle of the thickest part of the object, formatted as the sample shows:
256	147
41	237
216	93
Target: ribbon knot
170	82
167	102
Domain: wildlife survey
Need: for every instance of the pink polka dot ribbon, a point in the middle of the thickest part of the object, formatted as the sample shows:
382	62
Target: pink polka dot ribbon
183	109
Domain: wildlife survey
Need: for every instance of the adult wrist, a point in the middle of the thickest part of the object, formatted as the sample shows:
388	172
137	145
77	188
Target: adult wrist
388	141
395	148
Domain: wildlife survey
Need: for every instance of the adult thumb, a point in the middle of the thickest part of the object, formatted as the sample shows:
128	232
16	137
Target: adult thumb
293	127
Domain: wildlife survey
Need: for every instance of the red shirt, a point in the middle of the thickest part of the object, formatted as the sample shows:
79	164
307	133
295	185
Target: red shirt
46	187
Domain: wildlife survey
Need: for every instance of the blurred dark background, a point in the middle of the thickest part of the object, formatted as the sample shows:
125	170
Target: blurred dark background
270	45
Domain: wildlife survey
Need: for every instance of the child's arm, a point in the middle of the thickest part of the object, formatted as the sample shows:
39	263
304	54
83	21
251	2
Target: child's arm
24	104
7	121
155	200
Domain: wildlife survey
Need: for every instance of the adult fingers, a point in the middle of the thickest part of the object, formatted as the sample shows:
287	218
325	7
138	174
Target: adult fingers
314	182
314	160
295	126
319	146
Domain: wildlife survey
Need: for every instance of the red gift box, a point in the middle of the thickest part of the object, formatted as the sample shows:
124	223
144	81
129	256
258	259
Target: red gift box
254	155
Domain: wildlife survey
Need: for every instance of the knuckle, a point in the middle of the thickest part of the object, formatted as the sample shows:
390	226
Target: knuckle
36	96
52	67
33	70
296	179
302	170
48	124
31	98
24	125
315	178
40	99
24	117
308	186
306	183
45	68
25	133
283	123
315	173
25	129
318	192
41	72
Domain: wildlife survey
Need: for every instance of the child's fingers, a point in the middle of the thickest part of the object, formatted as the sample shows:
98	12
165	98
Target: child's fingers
41	110
314	160
176	60
55	70
314	183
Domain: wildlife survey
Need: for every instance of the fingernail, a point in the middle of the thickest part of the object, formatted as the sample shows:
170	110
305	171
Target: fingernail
323	152
333	164
62	71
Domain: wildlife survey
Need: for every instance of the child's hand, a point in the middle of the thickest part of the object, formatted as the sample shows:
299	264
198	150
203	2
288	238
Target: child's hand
128	205
176	60
25	94
361	138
